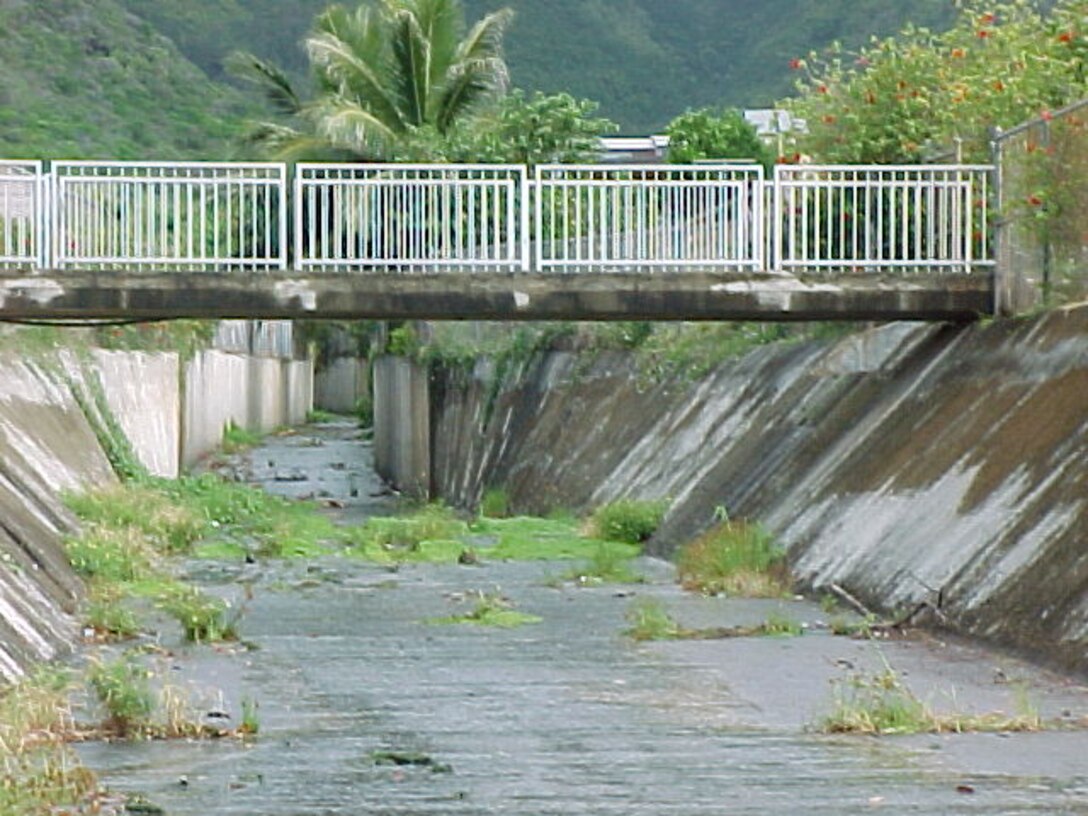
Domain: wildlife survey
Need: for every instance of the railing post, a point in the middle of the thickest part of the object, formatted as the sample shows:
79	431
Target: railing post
538	209
526	204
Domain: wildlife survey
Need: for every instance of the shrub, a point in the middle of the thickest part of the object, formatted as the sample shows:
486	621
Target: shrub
628	520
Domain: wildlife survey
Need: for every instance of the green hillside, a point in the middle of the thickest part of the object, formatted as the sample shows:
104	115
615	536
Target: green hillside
644	60
87	79
144	78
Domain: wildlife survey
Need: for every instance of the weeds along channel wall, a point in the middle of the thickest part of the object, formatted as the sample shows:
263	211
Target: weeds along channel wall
61	418
907	463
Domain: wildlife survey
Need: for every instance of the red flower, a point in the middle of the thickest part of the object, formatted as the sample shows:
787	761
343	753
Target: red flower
1066	37
796	64
987	19
999	85
983	34
1035	200
958	53
822	89
1046	115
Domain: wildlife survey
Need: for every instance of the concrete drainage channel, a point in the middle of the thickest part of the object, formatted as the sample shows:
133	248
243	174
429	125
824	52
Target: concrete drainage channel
364	708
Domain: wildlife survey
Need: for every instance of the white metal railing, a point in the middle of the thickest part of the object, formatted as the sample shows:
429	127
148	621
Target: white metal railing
650	216
848	218
399	216
169	215
175	216
22	215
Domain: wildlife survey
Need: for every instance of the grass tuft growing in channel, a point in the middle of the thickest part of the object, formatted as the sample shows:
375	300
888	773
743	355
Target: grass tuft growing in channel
629	520
649	620
735	558
881	704
607	565
489	609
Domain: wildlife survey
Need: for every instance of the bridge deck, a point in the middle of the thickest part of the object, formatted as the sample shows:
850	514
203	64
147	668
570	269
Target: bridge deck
689	295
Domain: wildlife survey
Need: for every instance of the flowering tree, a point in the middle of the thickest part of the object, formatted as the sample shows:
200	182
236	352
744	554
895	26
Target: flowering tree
918	93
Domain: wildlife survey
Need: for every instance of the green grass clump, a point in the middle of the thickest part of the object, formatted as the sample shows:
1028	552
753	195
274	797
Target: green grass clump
108	616
524	538
495	503
734	557
203	619
432	533
237	438
316	416
649	620
123	688
608	565
38	772
881	704
107	554
490	609
628	520
168	526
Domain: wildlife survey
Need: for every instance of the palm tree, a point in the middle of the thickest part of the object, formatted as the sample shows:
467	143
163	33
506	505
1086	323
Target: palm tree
386	74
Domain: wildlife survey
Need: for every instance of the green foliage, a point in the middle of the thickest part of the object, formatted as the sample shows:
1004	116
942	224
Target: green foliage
906	97
251	721
90	396
647	61
110	618
115	556
161	522
84	79
404	538
715	134
186	337
882	704
530	130
630	520
495	503
203	619
236	438
403	341
122	687
387	74
649	620
607	565
489	609
734	557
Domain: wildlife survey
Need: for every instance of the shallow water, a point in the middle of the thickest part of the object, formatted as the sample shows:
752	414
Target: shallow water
566	716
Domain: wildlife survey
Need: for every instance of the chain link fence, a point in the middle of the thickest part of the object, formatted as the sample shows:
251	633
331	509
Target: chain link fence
1042	236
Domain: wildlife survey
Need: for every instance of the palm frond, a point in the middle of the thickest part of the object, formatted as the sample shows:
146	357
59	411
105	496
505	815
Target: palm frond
346	125
272	82
412	55
357	79
484	40
469	85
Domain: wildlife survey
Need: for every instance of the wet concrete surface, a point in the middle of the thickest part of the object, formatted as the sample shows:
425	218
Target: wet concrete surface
567	716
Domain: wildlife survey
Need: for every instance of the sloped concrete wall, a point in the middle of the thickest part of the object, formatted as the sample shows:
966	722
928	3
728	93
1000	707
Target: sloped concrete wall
909	463
46	447
143	392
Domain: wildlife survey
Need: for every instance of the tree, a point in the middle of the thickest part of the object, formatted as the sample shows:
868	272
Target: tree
385	74
531	130
715	134
918	93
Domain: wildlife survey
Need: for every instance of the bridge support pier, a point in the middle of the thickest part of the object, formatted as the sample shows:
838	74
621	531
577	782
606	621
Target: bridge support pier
402	431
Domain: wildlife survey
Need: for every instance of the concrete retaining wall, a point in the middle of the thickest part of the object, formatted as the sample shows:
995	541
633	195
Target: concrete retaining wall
47	447
401	424
910	463
257	393
340	385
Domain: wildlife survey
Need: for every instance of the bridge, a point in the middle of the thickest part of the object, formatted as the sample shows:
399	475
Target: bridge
92	240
